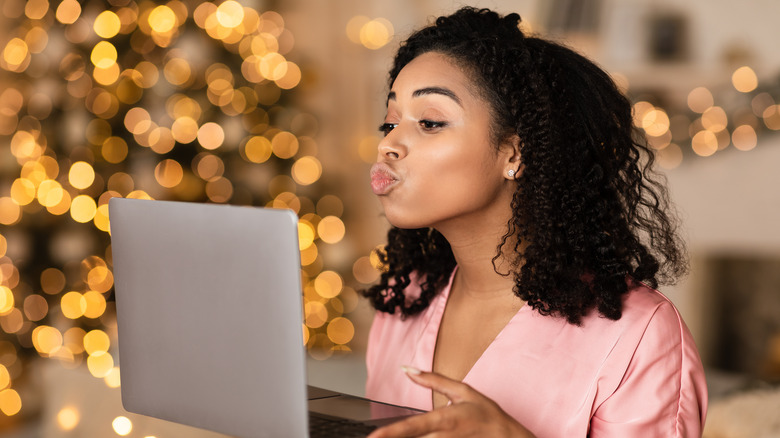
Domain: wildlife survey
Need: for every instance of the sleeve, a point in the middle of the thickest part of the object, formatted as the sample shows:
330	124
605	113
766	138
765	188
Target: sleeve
663	392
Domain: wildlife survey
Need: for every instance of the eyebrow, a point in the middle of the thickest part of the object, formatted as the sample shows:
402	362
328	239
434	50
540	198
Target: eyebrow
430	90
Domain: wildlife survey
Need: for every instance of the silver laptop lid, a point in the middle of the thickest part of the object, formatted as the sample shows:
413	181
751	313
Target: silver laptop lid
225	279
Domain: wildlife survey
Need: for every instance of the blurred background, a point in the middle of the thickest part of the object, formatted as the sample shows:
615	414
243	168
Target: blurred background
276	103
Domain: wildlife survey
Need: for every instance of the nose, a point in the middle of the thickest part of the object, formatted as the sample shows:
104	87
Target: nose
391	147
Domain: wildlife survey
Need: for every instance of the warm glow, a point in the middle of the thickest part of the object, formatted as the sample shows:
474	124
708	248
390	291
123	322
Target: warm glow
744	137
714	119
655	122
96	341
100	364
68	418
107	24
5	377
307	170
328	284
284	144
700	99
50	193
704	143
10	402
122	425
168	173
331	229
47	340
744	79
305	234
258	149
162	19
230	14
96	304
6	300
103	55
81	175
73	305
340	330
112	379
16	52
68	11
211	135
376	33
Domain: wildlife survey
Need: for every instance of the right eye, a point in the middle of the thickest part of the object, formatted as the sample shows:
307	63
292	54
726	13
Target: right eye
385	128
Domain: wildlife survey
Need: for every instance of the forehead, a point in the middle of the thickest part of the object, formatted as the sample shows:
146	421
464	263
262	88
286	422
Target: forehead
432	69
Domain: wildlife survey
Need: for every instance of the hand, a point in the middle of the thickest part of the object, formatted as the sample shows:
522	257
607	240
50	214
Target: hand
469	414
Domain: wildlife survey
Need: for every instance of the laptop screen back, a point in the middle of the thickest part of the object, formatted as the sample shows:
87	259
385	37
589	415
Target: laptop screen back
210	294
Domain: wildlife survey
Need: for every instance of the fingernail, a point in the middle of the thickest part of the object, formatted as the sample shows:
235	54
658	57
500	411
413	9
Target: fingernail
410	370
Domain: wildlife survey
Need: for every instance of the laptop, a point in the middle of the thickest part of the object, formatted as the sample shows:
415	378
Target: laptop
209	315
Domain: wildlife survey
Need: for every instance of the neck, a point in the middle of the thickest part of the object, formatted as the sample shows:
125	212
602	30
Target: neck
478	275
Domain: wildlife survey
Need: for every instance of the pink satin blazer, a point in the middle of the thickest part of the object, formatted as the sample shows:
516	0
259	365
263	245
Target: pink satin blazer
640	376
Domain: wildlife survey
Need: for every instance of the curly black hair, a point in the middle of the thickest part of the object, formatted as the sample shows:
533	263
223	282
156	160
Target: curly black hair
590	216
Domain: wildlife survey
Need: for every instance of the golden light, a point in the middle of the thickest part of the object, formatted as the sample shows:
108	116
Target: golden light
305	234
52	280
177	71
219	189
22	191
340	330
13	321
700	99
328	284
68	11
272	66
47	340
6	300
74	340
184	130
148	75
315	314
23	145
36	9
73	305
103	54
100	364
307	170
35	307
16	53
50	193
83	208
100	279
112	379
211	136
106	76
61	207
37	38
10	212
704	143
376	33
331	229
5	377
68	418
96	341
168	173
364	271
257	149
81	175
162	19
101	218
3	245
10	402
122	425
230	14
714	119
744	137
353	27
309	255
284	144
114	149
744	79
655	122
107	24
771	116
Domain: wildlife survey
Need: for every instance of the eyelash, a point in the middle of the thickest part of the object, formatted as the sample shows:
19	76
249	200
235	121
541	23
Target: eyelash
426	125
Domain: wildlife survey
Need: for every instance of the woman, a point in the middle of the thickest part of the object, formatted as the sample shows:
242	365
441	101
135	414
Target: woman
528	235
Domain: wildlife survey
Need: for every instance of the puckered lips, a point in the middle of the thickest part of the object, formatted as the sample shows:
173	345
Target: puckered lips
383	179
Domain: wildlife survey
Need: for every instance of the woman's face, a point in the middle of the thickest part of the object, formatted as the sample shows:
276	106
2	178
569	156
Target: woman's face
436	164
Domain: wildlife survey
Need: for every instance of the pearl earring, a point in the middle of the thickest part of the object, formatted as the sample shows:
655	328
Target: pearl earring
511	173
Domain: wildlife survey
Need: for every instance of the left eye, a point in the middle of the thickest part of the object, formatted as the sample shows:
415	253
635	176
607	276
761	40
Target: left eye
430	124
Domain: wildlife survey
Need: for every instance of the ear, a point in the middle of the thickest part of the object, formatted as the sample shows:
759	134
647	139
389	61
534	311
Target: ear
510	156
